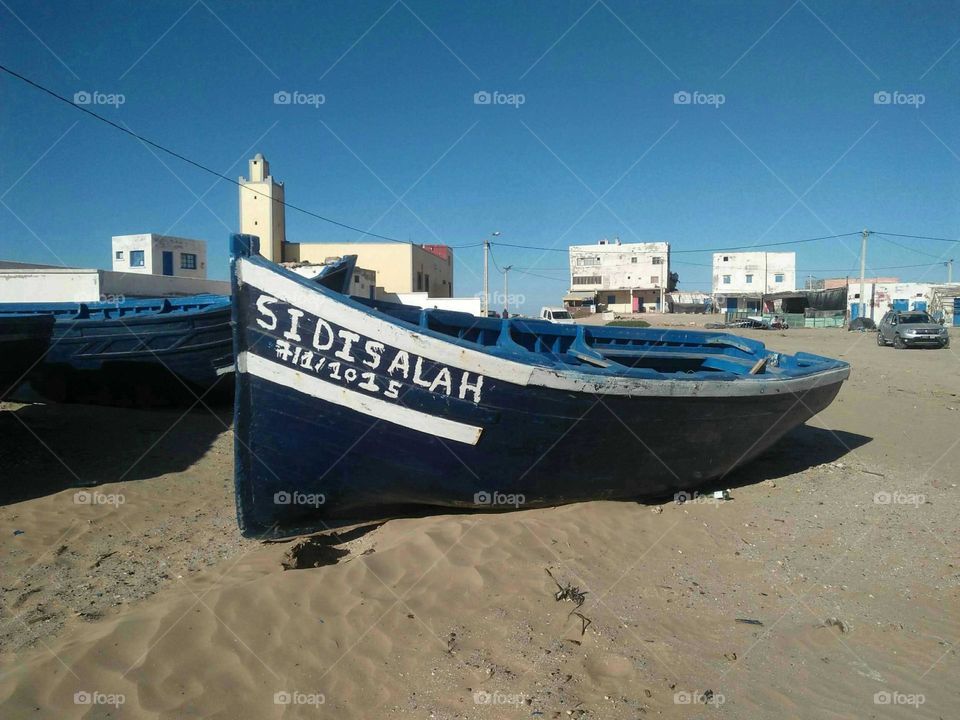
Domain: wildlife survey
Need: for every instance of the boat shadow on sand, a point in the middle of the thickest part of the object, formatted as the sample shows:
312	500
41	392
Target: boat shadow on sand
46	448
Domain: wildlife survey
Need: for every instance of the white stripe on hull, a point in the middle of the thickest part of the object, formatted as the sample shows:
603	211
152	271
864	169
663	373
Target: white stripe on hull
296	291
354	400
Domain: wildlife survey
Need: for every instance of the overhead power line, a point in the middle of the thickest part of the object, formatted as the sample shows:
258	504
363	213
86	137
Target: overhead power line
194	163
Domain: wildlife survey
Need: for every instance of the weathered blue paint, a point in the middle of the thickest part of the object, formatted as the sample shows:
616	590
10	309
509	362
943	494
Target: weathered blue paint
157	351
334	419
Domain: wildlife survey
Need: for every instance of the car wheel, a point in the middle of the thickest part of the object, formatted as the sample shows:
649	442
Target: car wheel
880	341
946	344
898	342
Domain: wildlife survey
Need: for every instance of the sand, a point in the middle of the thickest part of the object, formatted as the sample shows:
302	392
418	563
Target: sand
839	546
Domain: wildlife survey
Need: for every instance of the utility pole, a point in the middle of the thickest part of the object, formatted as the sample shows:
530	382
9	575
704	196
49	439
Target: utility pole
949	264
863	271
506	288
485	305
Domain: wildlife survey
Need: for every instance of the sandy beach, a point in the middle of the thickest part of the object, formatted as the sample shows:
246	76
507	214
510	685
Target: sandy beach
826	586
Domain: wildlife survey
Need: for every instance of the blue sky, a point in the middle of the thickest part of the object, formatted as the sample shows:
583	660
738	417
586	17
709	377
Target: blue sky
598	148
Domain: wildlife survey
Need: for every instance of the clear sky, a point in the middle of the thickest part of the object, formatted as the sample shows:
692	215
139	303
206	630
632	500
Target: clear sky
782	138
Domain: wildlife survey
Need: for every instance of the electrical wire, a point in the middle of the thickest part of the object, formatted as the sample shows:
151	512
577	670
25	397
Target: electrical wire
915	237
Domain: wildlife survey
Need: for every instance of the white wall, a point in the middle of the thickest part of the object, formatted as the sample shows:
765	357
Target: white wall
79	285
471	305
620	266
882	296
745	271
49	285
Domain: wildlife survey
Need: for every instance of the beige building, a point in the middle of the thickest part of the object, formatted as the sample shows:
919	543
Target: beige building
399	267
262	209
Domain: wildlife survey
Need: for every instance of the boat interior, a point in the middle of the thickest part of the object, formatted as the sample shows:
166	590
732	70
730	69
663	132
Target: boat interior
627	351
71	311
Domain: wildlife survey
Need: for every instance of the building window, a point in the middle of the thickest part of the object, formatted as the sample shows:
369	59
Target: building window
587	280
654	279
611	299
426	283
419	280
356	279
726	279
119	255
726	258
136	258
749	278
188	261
778	277
658	260
634	259
581	261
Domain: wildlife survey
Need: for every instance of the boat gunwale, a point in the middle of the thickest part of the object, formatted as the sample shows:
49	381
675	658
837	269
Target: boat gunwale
519	368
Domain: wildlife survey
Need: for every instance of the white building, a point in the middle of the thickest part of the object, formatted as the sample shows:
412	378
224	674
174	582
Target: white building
878	297
741	278
262	209
152	254
630	277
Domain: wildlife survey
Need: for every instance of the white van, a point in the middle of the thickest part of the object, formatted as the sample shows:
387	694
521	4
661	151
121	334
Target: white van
557	315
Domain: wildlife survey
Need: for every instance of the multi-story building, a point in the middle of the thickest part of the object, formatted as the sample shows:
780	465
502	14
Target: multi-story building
632	277
399	267
740	279
152	254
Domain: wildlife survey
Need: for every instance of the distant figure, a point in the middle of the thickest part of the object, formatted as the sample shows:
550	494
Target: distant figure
504	314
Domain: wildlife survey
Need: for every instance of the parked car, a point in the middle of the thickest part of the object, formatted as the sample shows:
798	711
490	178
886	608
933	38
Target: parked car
911	329
557	315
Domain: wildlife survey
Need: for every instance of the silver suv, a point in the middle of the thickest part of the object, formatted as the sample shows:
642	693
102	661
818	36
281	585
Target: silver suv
911	329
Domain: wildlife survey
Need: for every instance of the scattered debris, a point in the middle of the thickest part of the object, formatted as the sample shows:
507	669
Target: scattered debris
770	484
568	592
749	621
311	552
657	509
837	623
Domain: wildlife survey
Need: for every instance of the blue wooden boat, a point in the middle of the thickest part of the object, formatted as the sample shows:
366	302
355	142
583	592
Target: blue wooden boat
23	341
348	408
144	352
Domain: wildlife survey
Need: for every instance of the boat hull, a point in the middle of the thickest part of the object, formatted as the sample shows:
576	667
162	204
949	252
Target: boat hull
344	413
23	341
141	359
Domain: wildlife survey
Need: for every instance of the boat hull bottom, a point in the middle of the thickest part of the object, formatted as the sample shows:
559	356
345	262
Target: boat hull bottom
336	464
